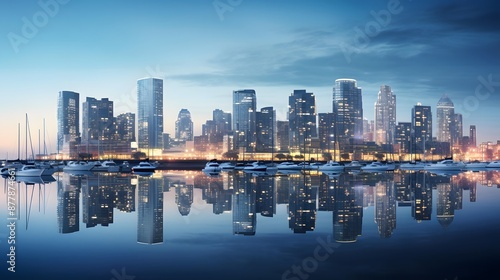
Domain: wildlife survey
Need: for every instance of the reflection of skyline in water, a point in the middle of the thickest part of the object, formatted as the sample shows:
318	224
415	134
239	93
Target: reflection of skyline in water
245	196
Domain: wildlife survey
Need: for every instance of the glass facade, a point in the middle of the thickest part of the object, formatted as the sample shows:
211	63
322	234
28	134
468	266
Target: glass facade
68	117
302	119
385	116
348	110
244	107
150	113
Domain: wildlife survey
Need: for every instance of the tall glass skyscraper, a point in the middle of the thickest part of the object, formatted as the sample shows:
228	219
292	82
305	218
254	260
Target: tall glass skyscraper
244	107
184	126
348	110
265	126
68	117
150	113
445	119
97	120
421	125
302	119
385	116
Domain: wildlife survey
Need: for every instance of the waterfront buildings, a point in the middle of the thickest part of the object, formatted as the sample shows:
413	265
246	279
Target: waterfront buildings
302	120
385	116
150	114
348	110
68	122
244	107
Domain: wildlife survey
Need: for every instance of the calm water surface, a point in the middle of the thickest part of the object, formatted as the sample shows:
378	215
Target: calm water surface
188	225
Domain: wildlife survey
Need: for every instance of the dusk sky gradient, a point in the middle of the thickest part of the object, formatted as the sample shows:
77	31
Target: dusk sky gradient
101	48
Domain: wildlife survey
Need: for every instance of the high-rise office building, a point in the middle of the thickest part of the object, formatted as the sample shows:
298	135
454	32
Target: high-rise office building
326	131
222	122
125	127
184	126
458	130
402	137
150	113
445	119
385	116
302	119
97	120
421	122
265	127
68	118
282	136
244	106
472	135
348	110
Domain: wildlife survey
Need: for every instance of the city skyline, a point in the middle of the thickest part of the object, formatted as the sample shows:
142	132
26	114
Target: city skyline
205	60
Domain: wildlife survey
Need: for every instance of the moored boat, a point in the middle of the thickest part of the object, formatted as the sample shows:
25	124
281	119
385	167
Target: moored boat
144	166
446	165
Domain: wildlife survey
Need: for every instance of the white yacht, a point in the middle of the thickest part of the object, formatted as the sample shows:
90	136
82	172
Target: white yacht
226	166
29	170
475	165
256	166
78	166
212	166
375	166
288	165
494	164
446	165
125	167
353	165
413	165
110	166
144	166
331	166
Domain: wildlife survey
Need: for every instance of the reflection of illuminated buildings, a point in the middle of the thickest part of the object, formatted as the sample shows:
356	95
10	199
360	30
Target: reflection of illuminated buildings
369	196
266	203
302	204
421	196
216	191
97	200
183	197
124	194
445	204
385	208
150	211
68	203
326	196
282	189
244	212
348	212
403	188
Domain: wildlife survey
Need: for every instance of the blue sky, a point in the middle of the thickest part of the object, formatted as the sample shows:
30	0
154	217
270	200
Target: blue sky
204	51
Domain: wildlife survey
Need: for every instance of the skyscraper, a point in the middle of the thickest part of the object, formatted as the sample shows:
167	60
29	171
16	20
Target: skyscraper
385	116
125	127
244	106
222	122
68	117
472	135
458	131
403	136
302	119
150	113
265	126
348	110
326	131
445	119
421	124
184	126
97	120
